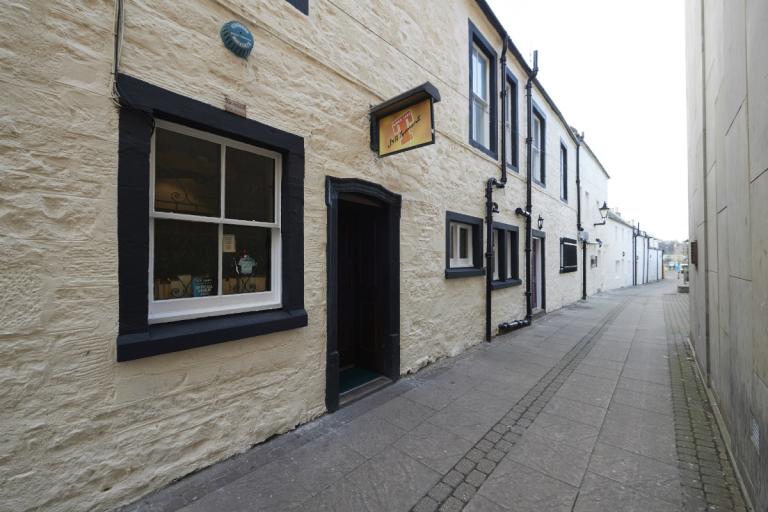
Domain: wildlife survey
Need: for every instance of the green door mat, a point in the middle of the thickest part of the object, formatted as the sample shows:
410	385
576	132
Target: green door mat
352	378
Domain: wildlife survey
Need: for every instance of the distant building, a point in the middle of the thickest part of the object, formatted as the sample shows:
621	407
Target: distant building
617	254
727	70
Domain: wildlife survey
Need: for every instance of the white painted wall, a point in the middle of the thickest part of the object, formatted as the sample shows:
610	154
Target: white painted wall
616	268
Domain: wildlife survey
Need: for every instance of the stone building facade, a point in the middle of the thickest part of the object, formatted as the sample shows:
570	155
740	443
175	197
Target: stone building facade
727	90
156	317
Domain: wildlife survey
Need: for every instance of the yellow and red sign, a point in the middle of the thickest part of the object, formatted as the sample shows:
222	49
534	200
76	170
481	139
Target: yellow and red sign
407	128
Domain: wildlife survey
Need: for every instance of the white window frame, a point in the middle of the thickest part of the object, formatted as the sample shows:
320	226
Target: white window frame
170	310
456	261
536	148
483	102
495	254
509	122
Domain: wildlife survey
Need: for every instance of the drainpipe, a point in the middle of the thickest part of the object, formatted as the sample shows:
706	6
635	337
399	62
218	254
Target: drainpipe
579	227
490	206
516	324
528	185
503	116
647	257
634	254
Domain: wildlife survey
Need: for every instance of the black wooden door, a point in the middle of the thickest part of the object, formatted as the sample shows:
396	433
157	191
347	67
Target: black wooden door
362	286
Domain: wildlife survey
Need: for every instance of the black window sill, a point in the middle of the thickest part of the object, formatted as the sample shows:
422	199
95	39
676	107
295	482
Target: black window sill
301	5
498	285
171	337
568	269
453	273
488	151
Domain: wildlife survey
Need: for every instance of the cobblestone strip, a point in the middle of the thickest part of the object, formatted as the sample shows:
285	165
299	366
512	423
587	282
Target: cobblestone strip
461	483
706	474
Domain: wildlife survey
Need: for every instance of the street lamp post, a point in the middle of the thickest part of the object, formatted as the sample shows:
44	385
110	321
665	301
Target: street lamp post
603	213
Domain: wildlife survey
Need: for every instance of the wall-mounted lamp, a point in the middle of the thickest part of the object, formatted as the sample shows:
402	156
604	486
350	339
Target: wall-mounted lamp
541	221
495	207
603	213
599	242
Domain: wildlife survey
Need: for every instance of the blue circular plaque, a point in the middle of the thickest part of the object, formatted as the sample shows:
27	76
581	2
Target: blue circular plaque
237	38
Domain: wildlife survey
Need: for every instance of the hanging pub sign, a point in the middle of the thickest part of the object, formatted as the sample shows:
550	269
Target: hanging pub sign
404	122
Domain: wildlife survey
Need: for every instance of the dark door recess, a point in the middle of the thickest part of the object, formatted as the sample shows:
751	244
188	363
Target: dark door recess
361	277
363	289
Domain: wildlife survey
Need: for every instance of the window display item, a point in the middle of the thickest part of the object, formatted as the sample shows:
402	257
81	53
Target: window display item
246	264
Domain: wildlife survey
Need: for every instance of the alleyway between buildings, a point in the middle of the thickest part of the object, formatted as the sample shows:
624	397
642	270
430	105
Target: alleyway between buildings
595	407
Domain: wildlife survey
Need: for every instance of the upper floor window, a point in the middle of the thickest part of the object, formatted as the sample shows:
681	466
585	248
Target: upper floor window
482	93
510	122
481	108
563	172
538	147
214	243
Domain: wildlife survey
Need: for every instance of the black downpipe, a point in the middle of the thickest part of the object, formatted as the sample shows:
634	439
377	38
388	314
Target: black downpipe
489	205
528	185
647	257
579	227
634	254
517	324
502	117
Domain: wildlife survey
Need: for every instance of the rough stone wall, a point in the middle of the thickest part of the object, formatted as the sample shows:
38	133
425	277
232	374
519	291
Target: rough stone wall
84	432
727	54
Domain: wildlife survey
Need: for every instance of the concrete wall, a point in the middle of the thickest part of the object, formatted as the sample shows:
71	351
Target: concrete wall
727	55
84	432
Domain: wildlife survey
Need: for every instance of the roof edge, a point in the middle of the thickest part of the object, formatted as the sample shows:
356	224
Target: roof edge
491	16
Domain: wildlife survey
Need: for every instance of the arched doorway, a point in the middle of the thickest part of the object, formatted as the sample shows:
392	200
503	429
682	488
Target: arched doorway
363	266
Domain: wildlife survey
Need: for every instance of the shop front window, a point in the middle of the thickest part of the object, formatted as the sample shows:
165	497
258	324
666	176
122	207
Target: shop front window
214	225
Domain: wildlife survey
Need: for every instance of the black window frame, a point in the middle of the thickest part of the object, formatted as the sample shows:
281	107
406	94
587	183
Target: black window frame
563	171
141	103
301	5
477	268
569	242
539	113
511	81
475	37
511	276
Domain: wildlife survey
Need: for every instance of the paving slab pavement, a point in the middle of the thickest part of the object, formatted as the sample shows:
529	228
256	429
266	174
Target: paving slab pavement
594	407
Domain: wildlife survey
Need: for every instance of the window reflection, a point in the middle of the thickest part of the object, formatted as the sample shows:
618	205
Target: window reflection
187	174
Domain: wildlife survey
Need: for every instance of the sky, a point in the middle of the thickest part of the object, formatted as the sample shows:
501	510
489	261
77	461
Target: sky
616	70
